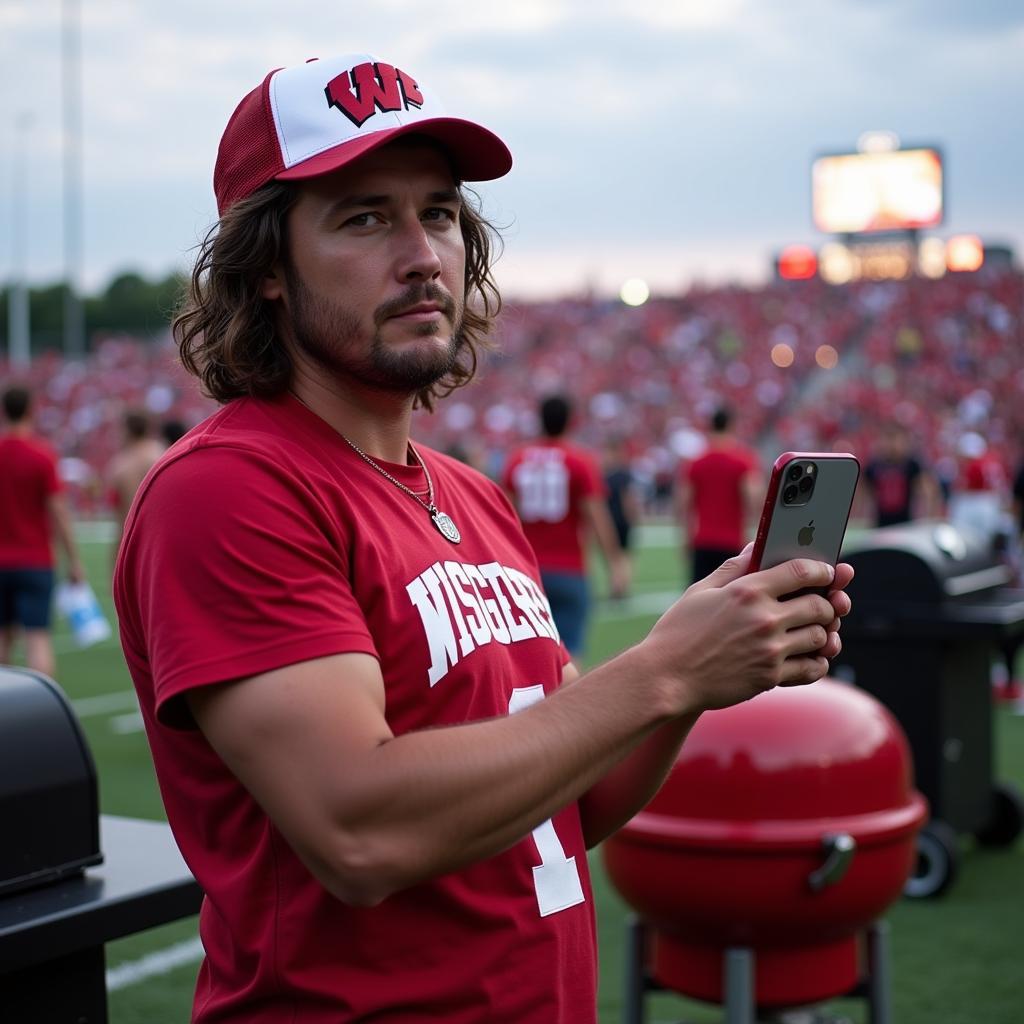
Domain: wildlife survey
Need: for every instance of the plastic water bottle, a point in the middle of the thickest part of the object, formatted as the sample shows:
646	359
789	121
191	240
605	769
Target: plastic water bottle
78	604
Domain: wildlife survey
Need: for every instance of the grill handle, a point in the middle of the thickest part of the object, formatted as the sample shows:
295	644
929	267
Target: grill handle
839	848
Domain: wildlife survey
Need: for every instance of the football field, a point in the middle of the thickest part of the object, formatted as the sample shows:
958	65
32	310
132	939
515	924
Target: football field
955	960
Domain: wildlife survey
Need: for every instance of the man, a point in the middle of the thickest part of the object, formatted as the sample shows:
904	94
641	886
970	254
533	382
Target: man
33	512
900	487
130	465
624	504
981	499
346	665
717	493
981	505
560	496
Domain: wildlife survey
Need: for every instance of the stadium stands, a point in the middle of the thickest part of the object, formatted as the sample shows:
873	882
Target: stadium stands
940	356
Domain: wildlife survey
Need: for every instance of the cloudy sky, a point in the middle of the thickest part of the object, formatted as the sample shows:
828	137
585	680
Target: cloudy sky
670	140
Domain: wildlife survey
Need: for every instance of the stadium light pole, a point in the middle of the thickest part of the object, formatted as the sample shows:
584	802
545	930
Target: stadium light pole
19	350
71	81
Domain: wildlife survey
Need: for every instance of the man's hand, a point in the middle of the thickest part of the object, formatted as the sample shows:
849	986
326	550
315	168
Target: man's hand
731	636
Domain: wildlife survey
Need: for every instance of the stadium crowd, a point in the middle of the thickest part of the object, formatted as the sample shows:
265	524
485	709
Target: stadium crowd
940	357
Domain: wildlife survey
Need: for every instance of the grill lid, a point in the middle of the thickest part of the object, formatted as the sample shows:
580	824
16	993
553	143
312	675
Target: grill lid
49	804
782	771
928	561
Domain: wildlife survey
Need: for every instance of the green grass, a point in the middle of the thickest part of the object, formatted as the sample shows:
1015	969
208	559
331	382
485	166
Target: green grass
954	959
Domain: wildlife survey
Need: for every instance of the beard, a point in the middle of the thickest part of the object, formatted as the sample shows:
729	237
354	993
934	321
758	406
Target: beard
331	335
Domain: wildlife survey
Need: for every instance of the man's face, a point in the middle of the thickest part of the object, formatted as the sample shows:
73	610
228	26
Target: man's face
373	285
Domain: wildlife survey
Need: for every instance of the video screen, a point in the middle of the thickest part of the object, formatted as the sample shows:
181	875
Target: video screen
863	192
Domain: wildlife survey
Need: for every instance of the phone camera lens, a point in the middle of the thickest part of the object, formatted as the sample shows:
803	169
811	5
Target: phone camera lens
795	472
790	493
805	485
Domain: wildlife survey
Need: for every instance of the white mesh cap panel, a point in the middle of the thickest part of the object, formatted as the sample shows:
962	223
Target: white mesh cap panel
308	122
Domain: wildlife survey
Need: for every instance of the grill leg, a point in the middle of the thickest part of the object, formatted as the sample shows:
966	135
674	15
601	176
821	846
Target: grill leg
636	966
70	989
739	986
879	989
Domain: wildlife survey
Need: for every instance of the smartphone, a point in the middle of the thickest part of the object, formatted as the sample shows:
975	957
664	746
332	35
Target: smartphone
806	509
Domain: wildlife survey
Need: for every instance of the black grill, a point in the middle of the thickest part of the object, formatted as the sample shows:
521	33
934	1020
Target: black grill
49	805
927	579
931	608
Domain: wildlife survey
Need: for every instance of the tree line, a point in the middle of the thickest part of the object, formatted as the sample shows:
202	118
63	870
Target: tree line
130	304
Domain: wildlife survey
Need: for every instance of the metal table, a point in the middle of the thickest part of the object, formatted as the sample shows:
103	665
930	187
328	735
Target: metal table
52	965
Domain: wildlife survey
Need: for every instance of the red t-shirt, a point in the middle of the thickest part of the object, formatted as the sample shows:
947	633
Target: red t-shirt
28	478
716	484
985	473
264	540
549	480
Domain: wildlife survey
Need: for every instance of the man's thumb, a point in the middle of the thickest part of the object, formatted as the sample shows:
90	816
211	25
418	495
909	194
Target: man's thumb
731	569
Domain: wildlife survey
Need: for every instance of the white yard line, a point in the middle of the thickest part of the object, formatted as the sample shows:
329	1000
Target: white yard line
657	535
105	703
163	961
66	645
125	725
95	531
108	704
635	605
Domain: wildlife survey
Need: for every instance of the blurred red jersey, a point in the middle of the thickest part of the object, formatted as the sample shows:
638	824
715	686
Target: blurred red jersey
716	483
549	480
985	473
28	478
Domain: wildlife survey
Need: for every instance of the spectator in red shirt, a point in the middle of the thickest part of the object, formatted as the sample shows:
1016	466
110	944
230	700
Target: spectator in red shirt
981	497
32	512
559	493
716	494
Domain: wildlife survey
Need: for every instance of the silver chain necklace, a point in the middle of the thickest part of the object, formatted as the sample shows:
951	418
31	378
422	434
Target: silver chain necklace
445	526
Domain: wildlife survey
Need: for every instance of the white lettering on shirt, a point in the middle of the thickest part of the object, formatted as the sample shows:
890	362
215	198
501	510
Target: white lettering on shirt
462	607
435	614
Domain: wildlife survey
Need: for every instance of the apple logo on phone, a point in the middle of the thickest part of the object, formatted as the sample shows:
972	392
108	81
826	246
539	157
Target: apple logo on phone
806	534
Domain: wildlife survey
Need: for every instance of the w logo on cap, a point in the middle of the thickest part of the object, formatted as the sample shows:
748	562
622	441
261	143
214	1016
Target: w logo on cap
284	131
367	88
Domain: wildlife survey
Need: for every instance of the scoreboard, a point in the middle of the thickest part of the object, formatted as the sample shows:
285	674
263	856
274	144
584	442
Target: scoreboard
860	193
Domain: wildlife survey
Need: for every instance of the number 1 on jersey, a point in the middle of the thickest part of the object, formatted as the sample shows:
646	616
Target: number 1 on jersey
556	879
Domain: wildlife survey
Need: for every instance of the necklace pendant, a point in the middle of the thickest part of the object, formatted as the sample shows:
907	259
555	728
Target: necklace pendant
445	526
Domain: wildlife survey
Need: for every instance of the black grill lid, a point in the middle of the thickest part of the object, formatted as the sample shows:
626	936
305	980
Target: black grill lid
930	580
929	562
49	804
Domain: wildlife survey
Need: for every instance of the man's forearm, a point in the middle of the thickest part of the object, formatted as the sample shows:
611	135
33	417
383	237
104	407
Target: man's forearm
372	813
628	787
436	800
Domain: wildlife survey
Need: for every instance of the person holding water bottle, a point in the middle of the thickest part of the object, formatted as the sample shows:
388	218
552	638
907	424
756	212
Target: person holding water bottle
33	514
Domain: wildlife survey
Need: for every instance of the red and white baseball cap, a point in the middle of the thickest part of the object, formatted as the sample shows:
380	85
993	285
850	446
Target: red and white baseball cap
314	118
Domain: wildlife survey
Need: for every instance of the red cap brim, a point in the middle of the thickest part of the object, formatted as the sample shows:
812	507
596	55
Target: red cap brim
477	154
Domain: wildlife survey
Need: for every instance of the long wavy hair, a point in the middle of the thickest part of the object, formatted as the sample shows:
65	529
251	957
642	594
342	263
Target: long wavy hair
225	329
